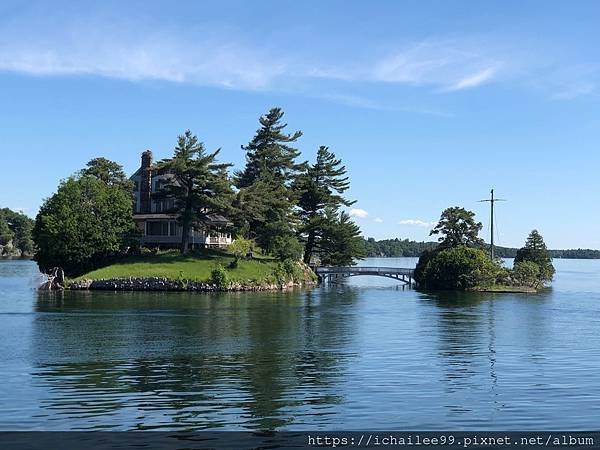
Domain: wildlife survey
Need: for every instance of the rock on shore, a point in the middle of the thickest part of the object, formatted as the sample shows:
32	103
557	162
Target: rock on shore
165	284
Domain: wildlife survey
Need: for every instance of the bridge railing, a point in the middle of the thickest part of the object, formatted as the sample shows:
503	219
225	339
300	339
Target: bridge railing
365	270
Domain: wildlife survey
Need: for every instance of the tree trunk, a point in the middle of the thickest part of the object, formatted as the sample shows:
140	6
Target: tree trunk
186	225
309	246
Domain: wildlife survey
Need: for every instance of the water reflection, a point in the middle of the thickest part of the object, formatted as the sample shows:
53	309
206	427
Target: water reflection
359	355
190	361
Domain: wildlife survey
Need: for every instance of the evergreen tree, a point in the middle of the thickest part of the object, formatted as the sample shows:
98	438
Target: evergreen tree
268	153
265	199
342	242
535	251
458	227
320	186
198	186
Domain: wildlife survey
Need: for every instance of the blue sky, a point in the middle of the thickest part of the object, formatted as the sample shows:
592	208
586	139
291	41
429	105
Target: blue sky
430	104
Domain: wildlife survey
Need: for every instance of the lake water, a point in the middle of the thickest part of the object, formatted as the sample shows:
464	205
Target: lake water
365	355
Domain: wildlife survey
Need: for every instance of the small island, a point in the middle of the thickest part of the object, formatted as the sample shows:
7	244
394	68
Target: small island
459	262
187	223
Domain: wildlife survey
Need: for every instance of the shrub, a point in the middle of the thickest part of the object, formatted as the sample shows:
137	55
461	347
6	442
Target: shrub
219	277
287	247
526	273
292	269
280	275
240	247
535	251
459	267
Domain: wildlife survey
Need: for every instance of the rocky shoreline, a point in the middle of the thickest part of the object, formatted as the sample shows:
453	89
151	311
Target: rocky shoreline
165	284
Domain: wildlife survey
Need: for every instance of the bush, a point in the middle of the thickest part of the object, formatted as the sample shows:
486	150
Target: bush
287	247
219	277
240	247
293	270
526	273
459	267
535	251
280	275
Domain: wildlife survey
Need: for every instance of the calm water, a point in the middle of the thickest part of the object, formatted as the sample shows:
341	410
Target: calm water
367	355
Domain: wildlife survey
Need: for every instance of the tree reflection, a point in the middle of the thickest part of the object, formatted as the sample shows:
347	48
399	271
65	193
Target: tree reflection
177	360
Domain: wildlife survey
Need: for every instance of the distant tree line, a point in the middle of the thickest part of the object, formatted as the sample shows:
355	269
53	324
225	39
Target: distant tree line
393	248
279	205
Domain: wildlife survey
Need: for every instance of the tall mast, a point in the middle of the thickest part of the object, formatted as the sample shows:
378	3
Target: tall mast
492	225
492	200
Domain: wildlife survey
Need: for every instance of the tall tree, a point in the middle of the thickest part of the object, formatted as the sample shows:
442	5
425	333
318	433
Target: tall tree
265	199
536	252
198	186
268	152
320	186
457	226
342	242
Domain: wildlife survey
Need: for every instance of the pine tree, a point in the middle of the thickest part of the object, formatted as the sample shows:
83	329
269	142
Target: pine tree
535	251
320	186
342	242
268	152
199	185
265	199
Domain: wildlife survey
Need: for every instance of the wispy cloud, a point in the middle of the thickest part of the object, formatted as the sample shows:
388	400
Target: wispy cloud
378	220
566	83
417	223
473	80
226	65
449	65
360	213
133	49
218	55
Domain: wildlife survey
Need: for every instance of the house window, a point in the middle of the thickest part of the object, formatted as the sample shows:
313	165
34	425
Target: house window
161	228
163	206
159	185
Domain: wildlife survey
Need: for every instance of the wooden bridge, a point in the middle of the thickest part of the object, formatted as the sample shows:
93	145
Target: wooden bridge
332	274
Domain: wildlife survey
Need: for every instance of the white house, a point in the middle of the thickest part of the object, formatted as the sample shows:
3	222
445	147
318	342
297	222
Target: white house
158	225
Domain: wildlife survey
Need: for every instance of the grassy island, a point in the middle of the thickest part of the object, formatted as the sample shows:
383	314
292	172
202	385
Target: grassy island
207	270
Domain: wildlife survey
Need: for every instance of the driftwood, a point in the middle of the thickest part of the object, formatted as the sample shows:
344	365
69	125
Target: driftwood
56	280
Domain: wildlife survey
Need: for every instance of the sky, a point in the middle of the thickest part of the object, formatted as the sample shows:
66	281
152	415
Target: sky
430	104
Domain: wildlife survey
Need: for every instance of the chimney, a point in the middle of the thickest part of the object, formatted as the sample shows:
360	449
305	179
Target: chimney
146	183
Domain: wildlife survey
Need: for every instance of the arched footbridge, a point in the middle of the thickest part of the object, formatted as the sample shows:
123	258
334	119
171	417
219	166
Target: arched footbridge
332	274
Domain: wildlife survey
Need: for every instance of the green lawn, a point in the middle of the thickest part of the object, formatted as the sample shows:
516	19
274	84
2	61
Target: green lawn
172	265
